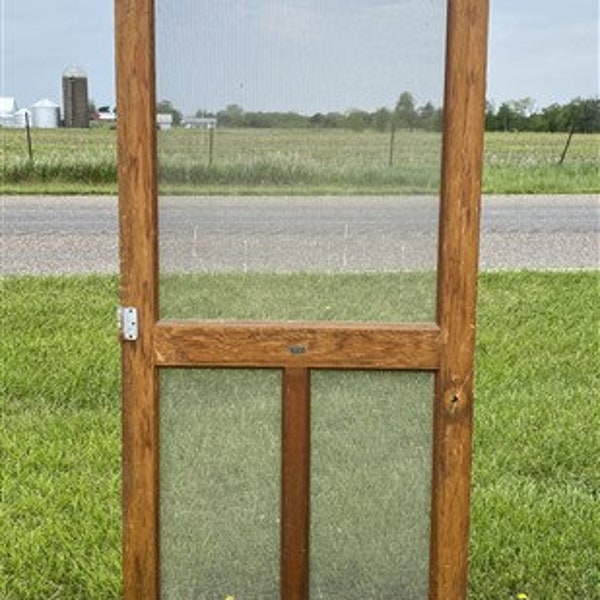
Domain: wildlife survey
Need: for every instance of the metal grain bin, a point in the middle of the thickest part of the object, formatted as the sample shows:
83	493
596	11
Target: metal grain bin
21	117
45	114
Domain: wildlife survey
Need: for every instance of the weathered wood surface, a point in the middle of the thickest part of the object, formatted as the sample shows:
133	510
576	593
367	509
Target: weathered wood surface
138	257
295	484
314	345
457	295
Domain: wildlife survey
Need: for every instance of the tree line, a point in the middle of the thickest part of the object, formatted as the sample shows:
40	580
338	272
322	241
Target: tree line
405	115
579	115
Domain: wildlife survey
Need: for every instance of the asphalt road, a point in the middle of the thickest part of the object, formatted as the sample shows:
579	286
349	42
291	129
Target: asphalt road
45	235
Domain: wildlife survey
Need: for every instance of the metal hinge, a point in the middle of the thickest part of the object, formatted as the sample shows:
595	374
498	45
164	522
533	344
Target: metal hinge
127	317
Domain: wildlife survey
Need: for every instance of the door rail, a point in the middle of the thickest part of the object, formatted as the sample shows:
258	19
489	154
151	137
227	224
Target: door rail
298	344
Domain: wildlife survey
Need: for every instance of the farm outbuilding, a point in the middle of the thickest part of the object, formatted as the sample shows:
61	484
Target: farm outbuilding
199	122
164	121
8	110
45	114
21	118
75	97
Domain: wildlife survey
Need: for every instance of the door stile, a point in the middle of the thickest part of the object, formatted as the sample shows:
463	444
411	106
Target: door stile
295	484
134	20
457	295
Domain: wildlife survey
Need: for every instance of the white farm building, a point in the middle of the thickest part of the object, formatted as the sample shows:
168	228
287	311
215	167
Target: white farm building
8	111
22	116
164	120
45	114
199	122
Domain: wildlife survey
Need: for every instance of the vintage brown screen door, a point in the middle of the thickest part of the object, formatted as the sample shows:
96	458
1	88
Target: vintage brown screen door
298	295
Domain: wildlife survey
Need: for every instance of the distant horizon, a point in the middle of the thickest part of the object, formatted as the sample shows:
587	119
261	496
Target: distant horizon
496	104
57	98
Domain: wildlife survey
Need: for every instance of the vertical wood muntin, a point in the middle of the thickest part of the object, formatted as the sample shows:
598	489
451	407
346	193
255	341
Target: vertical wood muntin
457	295
295	484
134	22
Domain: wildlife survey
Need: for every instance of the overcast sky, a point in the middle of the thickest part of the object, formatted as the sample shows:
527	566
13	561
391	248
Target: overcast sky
301	55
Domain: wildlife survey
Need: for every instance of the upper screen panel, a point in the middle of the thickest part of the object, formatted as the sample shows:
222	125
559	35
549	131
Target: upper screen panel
325	59
299	137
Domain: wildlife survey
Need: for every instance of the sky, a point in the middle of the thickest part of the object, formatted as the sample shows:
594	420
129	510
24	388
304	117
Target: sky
302	55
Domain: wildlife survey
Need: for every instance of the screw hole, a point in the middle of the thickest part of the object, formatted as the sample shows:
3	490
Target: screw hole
454	399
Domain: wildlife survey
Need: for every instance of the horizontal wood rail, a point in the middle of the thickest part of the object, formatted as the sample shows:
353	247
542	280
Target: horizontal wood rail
297	344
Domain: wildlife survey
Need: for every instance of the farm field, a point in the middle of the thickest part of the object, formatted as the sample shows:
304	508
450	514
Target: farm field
295	161
535	513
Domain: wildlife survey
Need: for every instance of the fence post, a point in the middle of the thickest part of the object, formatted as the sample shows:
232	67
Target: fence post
564	152
28	133
211	145
392	139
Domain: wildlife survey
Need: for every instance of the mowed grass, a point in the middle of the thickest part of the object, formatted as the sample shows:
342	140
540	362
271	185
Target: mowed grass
391	297
59	439
536	517
295	161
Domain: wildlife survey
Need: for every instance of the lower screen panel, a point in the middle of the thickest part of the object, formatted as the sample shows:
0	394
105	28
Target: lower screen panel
370	485
219	484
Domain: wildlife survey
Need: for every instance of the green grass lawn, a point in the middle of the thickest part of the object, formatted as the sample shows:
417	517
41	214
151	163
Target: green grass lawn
294	161
535	512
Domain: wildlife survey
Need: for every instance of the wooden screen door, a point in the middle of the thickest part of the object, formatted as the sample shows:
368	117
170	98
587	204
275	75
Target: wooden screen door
297	407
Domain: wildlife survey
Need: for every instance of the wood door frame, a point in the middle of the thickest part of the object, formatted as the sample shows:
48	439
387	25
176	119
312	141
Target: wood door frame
445	347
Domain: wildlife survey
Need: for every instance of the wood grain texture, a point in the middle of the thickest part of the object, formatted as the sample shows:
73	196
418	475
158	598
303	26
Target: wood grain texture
138	256
295	484
314	345
457	295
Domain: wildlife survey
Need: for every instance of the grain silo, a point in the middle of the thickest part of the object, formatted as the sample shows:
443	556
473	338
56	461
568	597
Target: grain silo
45	114
22	117
75	97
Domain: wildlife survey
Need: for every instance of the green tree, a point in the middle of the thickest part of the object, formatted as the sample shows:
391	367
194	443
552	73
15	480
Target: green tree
358	120
405	113
259	120
490	116
317	120
556	118
505	117
381	119
521	111
584	115
232	116
427	117
201	113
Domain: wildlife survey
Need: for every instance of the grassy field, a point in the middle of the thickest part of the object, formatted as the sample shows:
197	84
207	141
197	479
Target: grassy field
536	518
295	161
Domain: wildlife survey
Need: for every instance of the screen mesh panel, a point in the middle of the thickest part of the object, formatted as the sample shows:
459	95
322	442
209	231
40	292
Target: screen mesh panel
219	484
370	485
299	158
